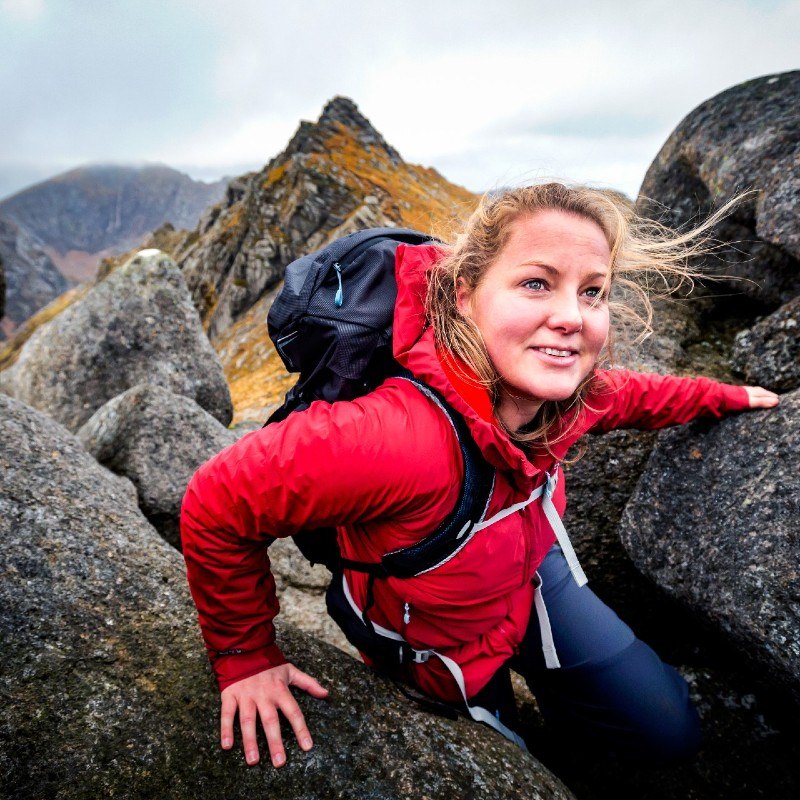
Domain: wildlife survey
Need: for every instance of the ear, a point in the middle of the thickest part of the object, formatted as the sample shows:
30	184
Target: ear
463	298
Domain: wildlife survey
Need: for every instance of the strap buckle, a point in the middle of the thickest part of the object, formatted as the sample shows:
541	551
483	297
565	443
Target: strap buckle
421	656
409	655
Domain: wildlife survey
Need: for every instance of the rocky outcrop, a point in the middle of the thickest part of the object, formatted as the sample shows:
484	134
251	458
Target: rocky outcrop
746	138
714	522
109	207
301	590
768	354
137	326
31	278
598	487
157	439
105	685
336	175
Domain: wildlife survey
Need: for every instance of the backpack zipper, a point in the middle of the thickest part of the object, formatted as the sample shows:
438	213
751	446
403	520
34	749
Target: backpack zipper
339	298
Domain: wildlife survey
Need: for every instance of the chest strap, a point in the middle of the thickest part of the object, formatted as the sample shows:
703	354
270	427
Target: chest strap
546	492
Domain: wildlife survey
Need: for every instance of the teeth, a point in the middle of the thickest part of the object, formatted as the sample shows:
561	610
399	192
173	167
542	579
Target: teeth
551	351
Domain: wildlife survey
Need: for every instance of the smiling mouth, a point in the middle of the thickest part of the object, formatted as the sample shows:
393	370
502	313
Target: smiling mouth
553	351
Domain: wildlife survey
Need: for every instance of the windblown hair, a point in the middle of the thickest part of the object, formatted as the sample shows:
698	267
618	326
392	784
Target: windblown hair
646	258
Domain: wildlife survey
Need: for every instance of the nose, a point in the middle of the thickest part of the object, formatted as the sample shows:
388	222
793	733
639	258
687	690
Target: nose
565	313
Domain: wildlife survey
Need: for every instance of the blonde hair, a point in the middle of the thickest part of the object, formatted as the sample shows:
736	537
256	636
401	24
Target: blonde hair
646	258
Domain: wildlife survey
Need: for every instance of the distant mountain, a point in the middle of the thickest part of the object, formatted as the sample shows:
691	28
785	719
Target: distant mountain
100	207
335	176
31	278
80	216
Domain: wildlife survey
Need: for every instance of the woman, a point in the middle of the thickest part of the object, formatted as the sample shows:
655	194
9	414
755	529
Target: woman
509	326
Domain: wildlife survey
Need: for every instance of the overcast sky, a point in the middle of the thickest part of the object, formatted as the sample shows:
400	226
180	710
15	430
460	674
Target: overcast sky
488	93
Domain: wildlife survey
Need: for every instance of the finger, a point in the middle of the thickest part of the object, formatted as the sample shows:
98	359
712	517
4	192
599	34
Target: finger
307	684
292	712
247	721
765	402
759	397
272	730
227	713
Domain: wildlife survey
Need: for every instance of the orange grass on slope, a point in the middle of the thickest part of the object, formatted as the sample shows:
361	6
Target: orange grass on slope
254	370
424	199
10	352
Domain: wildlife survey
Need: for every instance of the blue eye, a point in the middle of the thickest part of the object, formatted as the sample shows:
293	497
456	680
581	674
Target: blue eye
536	284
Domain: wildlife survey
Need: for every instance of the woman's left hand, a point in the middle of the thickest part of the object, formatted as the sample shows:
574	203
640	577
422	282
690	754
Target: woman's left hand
761	398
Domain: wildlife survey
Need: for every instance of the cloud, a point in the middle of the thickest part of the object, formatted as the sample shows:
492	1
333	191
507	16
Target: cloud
25	10
487	92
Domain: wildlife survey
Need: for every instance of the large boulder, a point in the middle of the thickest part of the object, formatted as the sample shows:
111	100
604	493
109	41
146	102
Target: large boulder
105	686
715	522
747	137
157	439
137	326
768	354
598	487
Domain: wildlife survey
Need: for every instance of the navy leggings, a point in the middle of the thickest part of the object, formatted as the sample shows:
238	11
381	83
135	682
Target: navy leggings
612	691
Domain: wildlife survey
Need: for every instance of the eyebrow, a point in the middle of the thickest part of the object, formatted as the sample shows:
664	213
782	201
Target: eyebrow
602	276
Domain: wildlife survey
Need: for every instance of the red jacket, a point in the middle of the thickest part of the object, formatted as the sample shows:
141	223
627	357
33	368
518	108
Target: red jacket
386	470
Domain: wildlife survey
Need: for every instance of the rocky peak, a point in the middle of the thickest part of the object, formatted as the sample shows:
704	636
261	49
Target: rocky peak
340	113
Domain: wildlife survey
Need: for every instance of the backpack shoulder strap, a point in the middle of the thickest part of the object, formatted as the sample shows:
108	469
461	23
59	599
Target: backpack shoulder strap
473	501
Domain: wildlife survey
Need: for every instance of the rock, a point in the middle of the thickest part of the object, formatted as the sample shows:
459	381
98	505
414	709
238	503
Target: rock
747	137
743	754
137	326
768	354
157	439
105	685
31	278
598	487
301	591
335	176
714	522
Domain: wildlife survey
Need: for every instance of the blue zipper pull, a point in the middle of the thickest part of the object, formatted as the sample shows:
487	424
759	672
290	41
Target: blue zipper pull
339	298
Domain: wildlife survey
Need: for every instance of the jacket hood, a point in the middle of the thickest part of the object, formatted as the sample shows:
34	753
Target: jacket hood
414	348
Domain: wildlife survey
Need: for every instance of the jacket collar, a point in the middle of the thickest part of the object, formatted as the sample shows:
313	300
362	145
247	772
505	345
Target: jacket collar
414	348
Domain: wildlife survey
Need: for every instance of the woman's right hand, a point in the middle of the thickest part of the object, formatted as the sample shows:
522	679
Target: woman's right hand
262	695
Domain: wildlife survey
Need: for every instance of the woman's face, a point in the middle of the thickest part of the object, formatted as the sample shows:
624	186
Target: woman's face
542	311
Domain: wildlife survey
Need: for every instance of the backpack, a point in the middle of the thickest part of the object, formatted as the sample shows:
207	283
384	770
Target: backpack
332	323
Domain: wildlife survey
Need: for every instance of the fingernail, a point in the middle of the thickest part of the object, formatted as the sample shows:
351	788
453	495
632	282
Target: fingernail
226	743
279	759
252	757
306	743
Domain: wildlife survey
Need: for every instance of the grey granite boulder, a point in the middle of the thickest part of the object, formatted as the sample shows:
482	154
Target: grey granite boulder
715	522
747	137
105	687
157	439
137	326
768	354
598	487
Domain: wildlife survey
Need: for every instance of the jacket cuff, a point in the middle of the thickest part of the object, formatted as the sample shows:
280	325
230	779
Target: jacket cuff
238	666
735	397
